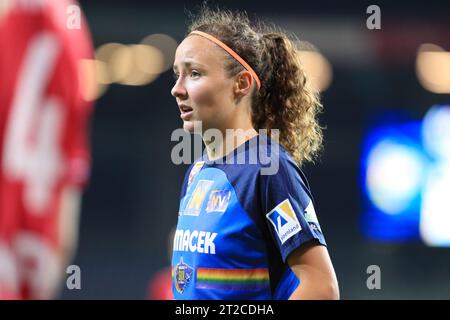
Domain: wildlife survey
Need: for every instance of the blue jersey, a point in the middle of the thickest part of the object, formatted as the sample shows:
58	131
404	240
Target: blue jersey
237	225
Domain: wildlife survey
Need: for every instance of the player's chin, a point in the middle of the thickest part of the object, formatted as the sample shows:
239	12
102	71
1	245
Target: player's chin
188	126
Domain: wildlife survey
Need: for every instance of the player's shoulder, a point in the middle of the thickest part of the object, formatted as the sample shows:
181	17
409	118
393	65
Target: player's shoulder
271	153
283	168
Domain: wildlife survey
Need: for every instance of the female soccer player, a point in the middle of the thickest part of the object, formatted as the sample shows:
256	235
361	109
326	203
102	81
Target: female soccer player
243	233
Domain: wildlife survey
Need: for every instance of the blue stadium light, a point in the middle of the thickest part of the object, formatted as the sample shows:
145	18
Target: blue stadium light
405	177
436	132
393	171
394	174
435	208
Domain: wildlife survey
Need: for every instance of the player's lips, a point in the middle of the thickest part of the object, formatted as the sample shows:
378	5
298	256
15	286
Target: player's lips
186	111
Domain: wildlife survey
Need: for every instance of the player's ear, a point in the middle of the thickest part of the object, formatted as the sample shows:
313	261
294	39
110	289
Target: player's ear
243	83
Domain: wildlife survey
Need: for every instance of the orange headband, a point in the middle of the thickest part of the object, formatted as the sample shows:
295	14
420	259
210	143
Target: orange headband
232	53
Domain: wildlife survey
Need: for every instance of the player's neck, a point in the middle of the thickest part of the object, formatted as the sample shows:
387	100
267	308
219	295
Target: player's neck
230	139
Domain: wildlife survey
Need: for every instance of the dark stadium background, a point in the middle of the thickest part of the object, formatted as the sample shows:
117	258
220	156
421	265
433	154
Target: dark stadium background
132	200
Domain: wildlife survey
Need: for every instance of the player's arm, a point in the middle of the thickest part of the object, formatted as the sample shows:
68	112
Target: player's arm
68	221
311	263
78	45
69	224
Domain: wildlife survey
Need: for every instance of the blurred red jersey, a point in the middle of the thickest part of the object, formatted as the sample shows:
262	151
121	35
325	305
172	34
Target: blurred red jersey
160	285
43	129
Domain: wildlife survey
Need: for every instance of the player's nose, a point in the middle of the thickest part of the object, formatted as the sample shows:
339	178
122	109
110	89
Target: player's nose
178	90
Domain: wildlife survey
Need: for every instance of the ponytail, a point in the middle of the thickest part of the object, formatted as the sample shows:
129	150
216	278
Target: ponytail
286	102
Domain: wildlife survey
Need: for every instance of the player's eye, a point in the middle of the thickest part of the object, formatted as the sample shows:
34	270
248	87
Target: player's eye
195	74
176	75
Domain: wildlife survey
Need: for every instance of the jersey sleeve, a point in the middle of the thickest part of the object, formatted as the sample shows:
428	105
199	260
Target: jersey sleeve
70	81
289	210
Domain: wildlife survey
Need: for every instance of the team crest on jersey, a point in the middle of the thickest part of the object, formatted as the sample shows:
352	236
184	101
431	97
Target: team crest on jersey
195	203
183	275
218	201
195	169
284	221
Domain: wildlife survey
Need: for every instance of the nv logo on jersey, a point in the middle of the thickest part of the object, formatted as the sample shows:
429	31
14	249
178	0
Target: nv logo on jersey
284	221
218	200
198	197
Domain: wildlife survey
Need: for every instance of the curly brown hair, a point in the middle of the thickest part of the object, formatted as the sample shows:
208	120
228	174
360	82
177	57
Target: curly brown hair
285	101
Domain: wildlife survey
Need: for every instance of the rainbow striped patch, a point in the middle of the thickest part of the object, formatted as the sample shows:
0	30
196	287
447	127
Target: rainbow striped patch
233	279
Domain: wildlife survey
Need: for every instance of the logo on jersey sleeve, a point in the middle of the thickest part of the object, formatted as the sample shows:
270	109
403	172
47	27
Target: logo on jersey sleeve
218	201
183	275
284	221
198	197
311	217
194	171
